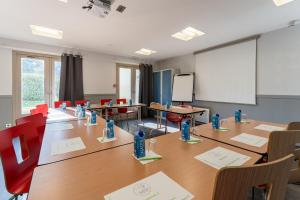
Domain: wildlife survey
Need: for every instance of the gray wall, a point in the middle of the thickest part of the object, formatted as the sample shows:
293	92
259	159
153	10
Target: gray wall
273	108
5	110
95	98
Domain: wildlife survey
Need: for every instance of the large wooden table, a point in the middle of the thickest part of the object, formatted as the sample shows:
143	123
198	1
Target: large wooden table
234	130
176	110
95	175
106	107
88	135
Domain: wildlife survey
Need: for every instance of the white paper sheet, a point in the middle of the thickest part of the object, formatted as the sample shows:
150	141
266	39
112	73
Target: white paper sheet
251	140
151	125
67	145
58	127
220	157
106	139
156	187
148	154
56	115
268	128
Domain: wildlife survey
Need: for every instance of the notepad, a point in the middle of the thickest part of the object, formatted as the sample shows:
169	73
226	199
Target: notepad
148	154
155	187
251	140
67	145
268	128
220	157
58	127
106	140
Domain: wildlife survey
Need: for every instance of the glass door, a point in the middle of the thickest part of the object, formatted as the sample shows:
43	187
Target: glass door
128	77
36	81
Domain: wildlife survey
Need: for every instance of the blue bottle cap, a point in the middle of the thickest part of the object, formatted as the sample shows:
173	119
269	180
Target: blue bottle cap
217	115
141	133
240	110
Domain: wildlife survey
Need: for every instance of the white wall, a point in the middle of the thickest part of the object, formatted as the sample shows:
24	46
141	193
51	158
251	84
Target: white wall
99	70
278	62
5	71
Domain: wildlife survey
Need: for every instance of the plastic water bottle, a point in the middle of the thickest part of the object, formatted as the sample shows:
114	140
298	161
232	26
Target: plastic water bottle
139	144
93	117
83	115
64	106
78	111
130	102
216	121
110	129
185	131
88	104
238	116
111	103
168	105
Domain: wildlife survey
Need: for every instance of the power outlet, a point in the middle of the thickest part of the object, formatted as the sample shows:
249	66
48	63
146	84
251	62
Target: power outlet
7	125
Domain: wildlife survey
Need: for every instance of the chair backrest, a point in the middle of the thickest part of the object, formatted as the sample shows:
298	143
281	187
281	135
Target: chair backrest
282	143
43	108
236	182
122	110
57	104
80	102
105	101
38	121
172	117
34	111
13	170
293	126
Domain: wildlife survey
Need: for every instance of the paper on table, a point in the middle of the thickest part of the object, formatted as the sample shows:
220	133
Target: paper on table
268	128
58	127
57	116
148	154
158	186
220	157
106	139
251	140
67	145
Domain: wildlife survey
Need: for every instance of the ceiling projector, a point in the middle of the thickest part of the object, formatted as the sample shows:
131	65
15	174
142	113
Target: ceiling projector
100	8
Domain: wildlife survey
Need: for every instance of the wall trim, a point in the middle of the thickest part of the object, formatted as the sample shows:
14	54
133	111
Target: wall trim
6	96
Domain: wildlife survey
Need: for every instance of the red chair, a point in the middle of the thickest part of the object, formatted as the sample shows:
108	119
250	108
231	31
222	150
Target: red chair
106	102
124	110
81	102
57	104
175	118
43	108
39	122
18	175
34	111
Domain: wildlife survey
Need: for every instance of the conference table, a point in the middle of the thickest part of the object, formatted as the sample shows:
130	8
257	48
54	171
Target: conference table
94	175
235	129
77	128
116	106
176	110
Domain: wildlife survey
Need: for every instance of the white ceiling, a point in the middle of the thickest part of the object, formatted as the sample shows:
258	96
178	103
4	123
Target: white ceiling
144	24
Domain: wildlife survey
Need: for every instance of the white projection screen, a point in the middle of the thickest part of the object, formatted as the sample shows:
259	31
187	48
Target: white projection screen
183	87
227	74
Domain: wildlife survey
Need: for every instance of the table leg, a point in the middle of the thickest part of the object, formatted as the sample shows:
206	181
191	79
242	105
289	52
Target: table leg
139	114
157	118
106	114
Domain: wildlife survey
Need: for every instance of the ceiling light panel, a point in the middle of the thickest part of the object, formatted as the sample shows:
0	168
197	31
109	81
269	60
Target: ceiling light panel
46	32
281	2
145	52
188	34
65	1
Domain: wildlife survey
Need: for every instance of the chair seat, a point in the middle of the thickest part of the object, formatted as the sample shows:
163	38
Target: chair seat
22	184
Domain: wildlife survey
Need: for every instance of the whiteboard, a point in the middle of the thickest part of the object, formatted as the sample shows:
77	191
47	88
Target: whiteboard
227	74
183	87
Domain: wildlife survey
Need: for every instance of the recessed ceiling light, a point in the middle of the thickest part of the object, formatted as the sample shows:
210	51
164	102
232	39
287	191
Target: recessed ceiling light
65	1
188	34
146	52
282	2
46	32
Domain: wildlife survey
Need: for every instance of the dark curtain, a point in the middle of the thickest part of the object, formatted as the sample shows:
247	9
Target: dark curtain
146	86
71	81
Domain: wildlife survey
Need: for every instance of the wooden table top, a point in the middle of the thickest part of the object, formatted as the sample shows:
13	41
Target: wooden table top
95	175
98	106
88	135
177	109
234	130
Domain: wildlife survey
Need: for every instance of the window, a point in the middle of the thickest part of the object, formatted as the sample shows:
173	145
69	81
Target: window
128	77
36	81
